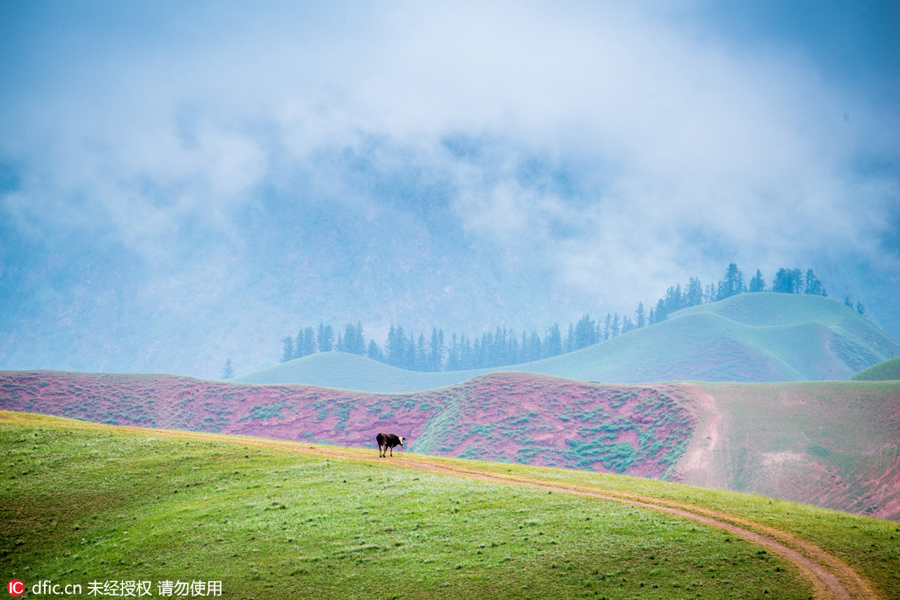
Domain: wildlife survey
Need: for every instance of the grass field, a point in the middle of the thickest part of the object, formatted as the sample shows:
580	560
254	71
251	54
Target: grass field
82	502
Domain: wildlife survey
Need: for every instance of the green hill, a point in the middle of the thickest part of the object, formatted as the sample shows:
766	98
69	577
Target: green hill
263	519
888	370
761	337
353	372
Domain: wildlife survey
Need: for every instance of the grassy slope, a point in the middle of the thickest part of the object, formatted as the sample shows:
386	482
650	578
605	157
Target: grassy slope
81	502
888	370
834	444
747	338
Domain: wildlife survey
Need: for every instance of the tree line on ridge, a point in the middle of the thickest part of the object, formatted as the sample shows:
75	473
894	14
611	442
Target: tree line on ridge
503	346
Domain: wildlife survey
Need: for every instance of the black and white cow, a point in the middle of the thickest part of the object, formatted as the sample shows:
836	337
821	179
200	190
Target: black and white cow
387	440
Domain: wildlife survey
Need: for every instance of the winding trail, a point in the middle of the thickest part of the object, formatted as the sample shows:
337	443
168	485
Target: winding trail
831	578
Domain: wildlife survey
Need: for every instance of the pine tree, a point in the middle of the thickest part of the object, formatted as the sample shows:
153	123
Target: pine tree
693	295
306	343
436	350
553	341
731	284
640	318
535	351
454	362
673	300
421	363
300	344
228	371
360	339
512	349
466	353
787	281
585	333
757	284
374	352
288	348
661	314
409	358
325	338
395	349
813	285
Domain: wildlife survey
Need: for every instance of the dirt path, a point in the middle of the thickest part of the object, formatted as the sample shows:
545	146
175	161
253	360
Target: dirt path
831	578
699	465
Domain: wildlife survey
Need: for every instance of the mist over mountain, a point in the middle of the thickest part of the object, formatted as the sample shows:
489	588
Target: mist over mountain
183	186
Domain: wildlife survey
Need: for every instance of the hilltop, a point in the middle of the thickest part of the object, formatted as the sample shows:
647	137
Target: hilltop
752	337
833	444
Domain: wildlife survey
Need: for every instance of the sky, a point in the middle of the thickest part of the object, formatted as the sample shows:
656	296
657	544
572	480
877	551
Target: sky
208	176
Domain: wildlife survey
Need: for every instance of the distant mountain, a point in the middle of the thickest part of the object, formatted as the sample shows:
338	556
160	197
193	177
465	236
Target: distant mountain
888	370
753	337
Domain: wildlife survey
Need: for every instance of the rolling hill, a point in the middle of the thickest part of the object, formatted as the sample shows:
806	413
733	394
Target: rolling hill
834	444
888	370
353	372
249	518
758	337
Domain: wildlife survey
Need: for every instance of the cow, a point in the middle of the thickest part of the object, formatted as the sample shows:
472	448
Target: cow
387	440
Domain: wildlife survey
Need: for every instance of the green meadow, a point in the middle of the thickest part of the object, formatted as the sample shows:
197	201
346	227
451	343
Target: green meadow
82	503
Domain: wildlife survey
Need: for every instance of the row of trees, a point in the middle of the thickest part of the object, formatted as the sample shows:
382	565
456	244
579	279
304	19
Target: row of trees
787	281
503	346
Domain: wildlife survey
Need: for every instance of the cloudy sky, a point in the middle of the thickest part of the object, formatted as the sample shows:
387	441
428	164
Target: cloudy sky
162	159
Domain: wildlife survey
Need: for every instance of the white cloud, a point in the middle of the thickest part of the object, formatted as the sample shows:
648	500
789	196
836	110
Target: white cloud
675	134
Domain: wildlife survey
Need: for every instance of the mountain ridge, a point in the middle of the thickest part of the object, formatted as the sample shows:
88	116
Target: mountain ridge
752	337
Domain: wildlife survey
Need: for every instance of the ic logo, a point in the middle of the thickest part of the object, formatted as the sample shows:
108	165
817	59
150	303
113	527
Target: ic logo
16	587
